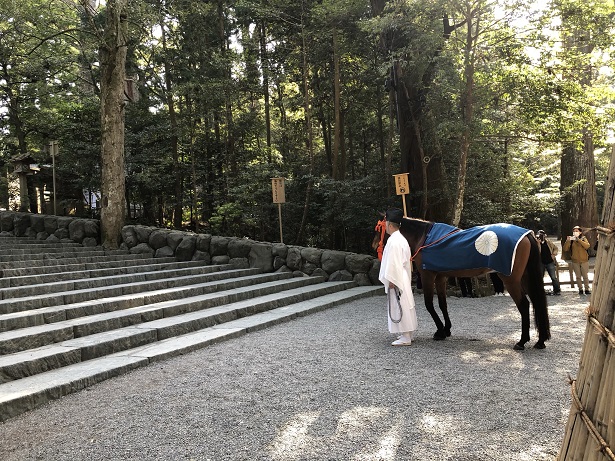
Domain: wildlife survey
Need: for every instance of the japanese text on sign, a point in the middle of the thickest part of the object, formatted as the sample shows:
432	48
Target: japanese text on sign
401	183
277	188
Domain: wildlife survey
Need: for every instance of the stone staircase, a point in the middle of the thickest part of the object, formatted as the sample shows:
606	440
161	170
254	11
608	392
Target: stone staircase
72	316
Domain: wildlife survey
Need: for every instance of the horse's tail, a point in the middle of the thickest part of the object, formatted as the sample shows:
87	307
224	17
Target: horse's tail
536	290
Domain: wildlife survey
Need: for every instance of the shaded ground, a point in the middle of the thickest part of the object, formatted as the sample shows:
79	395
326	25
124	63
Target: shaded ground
330	387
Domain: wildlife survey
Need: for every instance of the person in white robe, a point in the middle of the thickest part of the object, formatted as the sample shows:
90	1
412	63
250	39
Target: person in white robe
396	276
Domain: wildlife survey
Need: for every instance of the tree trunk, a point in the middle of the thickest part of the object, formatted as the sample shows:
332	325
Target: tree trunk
265	71
467	115
578	188
178	208
335	154
113	76
409	96
308	140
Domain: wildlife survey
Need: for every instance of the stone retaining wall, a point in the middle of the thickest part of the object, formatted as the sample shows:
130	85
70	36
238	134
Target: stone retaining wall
187	246
244	253
50	228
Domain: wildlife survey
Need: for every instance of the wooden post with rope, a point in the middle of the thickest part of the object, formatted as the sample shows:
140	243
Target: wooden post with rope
590	431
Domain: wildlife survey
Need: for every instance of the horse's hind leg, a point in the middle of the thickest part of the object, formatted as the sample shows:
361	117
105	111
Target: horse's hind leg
441	291
523	304
428	291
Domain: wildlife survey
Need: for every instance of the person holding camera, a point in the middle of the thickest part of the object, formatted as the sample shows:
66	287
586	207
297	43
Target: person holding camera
578	244
548	252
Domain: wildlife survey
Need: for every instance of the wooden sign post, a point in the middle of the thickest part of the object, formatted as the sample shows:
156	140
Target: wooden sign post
277	189
402	188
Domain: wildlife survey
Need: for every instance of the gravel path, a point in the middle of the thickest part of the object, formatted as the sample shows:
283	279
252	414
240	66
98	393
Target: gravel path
330	387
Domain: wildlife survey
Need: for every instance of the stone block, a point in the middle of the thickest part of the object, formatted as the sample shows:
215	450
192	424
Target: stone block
51	224
202	242
61	233
174	238
142	249
91	228
76	230
374	271
202	256
37	222
278	262
261	257
143	233
239	248
221	259
6	221
279	249
21	222
164	252
293	259
358	264
129	236
158	239
340	276
89	242
332	261
185	249
312	255
362	280
219	246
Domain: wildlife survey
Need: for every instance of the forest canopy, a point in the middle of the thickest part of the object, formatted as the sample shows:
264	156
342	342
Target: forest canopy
499	111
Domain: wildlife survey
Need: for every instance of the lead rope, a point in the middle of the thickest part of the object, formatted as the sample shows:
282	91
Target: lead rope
398	297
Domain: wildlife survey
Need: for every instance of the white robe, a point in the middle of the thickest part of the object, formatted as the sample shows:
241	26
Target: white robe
396	268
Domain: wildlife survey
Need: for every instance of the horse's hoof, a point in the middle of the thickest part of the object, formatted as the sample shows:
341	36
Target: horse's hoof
439	335
539	345
448	332
519	347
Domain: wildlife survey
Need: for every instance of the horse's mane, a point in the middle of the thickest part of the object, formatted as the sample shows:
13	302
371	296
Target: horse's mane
414	220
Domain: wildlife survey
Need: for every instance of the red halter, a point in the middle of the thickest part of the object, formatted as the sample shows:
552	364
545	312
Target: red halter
381	227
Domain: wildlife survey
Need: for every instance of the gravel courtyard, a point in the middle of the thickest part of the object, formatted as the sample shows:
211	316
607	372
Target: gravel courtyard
330	387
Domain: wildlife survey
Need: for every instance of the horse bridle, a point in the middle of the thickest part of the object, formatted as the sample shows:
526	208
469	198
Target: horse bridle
381	227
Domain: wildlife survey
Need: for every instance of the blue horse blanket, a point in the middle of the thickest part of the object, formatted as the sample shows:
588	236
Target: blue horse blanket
448	248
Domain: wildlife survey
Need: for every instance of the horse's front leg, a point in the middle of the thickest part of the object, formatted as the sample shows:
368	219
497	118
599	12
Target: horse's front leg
428	281
441	291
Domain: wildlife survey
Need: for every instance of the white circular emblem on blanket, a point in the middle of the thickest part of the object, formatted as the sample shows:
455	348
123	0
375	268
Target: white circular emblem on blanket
486	243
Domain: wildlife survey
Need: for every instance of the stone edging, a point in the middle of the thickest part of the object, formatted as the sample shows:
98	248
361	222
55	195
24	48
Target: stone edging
50	228
245	253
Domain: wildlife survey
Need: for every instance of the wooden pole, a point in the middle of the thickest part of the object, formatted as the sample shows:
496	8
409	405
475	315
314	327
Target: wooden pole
590	431
280	220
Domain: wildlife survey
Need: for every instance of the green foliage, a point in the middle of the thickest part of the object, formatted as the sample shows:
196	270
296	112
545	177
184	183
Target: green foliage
203	86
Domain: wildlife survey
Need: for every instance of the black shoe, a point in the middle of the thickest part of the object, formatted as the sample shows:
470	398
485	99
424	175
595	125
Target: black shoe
580	292
587	292
557	293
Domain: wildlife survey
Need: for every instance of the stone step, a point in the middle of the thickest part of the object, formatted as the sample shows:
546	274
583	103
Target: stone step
27	280
24	394
59	313
182	275
6	242
34	252
18	263
202	312
88	299
82	266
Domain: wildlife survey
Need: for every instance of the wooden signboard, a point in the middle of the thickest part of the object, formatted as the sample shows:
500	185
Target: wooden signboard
277	188
279	197
402	188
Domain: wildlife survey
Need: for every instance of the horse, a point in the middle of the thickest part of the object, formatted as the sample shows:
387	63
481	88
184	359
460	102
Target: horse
525	279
